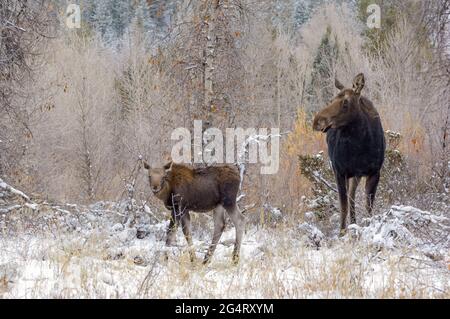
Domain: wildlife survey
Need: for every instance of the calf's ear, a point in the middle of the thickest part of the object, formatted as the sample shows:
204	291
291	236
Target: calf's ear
146	165
168	166
338	84
358	83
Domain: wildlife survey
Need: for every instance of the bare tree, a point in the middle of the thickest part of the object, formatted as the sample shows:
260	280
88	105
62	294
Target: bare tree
24	26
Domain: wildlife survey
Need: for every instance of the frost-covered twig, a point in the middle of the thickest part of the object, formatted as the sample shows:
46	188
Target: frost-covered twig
150	276
130	189
15	26
319	178
180	212
240	197
255	138
149	211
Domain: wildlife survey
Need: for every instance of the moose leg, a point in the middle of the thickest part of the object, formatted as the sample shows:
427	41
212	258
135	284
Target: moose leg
341	181
219	226
239	223
371	188
353	185
186	227
171	238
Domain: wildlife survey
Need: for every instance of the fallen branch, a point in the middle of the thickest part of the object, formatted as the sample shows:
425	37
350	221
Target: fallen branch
10	208
11	189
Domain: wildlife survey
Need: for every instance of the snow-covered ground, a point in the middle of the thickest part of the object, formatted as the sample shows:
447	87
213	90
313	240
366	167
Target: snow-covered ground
85	252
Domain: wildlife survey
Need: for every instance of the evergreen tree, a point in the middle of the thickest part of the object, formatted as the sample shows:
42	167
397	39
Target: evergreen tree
102	19
161	12
142	16
321	87
302	12
376	38
121	12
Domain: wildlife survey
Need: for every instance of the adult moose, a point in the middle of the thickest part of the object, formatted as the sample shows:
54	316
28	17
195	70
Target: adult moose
183	188
356	144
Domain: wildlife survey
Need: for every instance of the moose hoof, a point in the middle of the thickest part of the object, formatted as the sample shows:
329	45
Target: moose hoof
235	260
342	232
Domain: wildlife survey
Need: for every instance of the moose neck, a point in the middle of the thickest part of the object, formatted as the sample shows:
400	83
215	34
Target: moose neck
356	126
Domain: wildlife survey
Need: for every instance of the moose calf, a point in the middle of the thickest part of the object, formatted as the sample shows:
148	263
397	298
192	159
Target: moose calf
356	144
183	189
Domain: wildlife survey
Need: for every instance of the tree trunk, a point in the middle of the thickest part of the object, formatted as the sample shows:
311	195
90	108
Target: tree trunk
211	39
86	165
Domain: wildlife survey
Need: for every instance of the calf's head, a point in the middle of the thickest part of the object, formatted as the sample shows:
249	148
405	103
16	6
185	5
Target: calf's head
157	176
342	109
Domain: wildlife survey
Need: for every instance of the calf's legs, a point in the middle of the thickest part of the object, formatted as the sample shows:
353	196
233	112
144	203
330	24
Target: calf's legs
171	238
219	226
186	227
239	223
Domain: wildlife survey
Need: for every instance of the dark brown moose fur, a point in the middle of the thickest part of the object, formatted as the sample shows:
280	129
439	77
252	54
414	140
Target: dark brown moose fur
356	144
183	189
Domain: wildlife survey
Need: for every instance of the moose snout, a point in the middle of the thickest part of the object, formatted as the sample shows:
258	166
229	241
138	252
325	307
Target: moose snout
321	124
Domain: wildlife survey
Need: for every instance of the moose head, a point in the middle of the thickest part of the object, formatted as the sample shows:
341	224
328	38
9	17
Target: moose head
343	109
157	176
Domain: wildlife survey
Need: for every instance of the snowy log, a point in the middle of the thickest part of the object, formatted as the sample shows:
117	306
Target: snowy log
12	190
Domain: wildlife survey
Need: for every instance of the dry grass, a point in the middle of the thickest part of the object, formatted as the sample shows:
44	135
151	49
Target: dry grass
275	264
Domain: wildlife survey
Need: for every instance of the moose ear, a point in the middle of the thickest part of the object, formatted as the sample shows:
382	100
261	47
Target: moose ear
358	83
168	166
146	165
338	84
